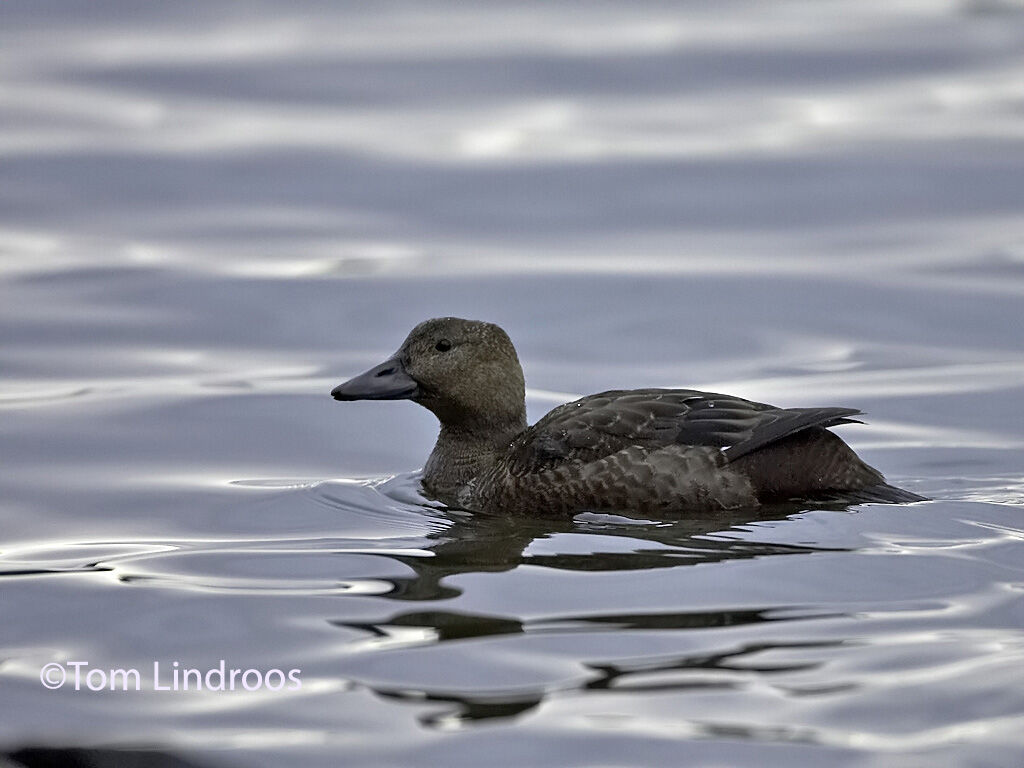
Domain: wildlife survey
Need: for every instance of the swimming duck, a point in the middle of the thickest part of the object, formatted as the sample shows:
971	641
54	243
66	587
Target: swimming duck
650	451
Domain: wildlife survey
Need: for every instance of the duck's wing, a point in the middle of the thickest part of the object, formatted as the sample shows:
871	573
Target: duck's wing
600	425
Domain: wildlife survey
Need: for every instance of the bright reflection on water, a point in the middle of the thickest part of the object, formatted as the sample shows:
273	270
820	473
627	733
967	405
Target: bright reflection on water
210	215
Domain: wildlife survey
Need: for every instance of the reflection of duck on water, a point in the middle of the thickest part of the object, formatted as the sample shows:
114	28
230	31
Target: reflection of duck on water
652	451
487	543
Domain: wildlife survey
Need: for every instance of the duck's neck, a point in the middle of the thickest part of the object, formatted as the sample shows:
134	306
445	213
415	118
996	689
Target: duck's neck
462	454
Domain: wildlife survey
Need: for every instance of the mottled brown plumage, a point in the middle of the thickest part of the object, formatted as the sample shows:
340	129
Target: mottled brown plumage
655	451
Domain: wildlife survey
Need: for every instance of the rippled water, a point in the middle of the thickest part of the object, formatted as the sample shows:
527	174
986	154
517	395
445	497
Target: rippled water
211	214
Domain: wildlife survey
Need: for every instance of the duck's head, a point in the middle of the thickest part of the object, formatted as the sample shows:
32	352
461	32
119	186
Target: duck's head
465	371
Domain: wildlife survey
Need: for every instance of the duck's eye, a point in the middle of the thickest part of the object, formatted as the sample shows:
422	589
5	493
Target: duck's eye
443	345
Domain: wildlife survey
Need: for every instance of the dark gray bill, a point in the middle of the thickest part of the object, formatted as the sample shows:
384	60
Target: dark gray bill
387	381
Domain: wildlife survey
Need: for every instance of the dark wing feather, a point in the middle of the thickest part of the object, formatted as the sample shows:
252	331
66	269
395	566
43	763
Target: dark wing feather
783	422
600	425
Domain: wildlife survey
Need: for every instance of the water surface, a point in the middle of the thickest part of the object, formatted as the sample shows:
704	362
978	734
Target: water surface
210	215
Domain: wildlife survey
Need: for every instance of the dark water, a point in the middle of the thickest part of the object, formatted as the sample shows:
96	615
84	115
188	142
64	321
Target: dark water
212	213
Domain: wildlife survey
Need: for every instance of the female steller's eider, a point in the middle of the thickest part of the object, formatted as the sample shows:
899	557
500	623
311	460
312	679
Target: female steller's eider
639	450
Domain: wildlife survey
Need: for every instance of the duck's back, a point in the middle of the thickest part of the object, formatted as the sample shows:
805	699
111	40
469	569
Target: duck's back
665	450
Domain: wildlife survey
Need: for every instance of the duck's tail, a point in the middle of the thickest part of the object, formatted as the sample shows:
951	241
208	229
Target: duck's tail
882	493
815	464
